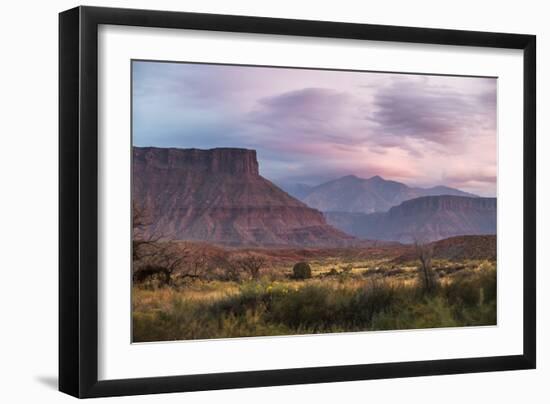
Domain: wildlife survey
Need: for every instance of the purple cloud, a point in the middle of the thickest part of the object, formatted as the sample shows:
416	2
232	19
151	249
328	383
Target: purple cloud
312	125
312	114
418	110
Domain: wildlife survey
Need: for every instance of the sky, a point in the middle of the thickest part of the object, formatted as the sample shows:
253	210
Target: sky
311	126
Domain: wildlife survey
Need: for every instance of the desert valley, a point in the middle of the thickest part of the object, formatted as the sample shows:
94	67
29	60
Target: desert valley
220	251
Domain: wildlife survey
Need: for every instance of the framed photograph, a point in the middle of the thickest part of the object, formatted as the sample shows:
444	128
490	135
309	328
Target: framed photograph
251	201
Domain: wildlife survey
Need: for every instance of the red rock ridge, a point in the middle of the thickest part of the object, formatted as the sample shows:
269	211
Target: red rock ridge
219	160
218	196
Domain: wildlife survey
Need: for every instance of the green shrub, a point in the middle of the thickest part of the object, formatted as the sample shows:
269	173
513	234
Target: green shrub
324	308
375	297
472	289
473	296
332	272
429	312
301	270
307	307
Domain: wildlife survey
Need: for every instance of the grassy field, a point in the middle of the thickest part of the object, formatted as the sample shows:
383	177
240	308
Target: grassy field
343	295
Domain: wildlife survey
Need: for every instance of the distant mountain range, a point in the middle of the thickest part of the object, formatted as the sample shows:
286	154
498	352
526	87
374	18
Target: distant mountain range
218	195
425	219
297	190
359	195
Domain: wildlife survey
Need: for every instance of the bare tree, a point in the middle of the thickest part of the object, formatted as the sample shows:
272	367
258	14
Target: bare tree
143	240
427	277
230	266
161	260
152	257
197	263
251	263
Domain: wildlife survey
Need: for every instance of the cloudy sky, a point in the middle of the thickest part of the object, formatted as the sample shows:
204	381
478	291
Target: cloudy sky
310	126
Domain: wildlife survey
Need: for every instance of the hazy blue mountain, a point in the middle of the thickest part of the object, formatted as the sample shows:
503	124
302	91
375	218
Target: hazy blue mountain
375	194
296	190
427	218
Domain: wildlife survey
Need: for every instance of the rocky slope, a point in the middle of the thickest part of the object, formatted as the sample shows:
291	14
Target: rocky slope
458	248
354	194
427	218
218	195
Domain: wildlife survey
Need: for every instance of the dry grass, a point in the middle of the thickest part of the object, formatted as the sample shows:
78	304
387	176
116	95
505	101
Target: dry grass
341	296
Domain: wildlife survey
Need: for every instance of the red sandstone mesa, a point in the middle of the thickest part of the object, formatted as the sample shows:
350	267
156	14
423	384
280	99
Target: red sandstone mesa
218	195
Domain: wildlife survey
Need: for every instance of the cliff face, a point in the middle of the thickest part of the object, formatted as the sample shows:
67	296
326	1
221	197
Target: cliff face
443	204
218	196
220	160
427	218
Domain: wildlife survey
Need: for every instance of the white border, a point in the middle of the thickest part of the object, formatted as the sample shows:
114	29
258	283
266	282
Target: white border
120	359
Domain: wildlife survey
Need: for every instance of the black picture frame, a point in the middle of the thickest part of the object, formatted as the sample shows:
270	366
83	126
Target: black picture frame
78	201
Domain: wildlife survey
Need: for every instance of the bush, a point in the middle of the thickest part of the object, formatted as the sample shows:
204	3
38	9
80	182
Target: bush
472	289
308	307
322	308
473	296
301	270
156	275
376	296
427	312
